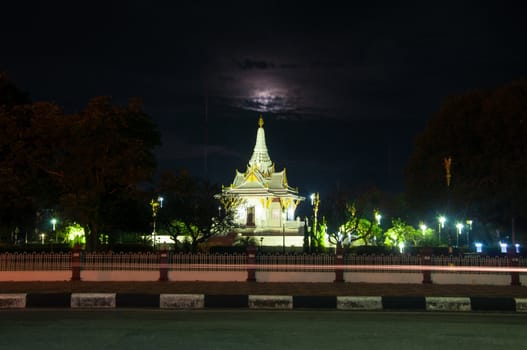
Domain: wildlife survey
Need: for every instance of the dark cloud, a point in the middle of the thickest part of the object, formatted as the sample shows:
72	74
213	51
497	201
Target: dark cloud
251	64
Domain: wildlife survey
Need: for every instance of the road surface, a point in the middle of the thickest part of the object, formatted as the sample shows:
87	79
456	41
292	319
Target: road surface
251	329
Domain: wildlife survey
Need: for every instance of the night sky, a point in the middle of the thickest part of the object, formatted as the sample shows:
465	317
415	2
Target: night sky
343	90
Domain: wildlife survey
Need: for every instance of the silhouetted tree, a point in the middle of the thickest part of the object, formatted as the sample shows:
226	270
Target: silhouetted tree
28	157
484	133
10	94
191	210
84	161
109	151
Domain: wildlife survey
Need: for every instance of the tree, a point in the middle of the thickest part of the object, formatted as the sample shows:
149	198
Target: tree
28	157
401	233
355	229
351	215
17	210
10	94
483	135
109	152
319	235
83	162
191	209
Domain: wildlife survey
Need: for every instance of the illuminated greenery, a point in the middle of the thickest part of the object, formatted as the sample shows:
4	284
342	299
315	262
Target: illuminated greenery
74	235
355	230
400	232
319	235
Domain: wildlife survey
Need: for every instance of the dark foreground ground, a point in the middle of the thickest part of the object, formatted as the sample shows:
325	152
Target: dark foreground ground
242	329
254	288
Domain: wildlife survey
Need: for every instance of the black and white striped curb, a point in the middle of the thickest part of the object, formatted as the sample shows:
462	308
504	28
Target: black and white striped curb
269	302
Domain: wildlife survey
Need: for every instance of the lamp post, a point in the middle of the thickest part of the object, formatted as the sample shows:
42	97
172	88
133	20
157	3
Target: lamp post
156	204
469	228
378	217
441	226
459	227
283	239
423	228
315	201
54	223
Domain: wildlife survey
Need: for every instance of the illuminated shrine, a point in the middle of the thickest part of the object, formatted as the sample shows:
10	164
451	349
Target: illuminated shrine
263	201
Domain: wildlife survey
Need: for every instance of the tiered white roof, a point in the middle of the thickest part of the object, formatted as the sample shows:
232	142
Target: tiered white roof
260	178
260	158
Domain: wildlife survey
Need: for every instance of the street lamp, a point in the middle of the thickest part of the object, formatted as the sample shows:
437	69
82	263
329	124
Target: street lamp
423	228
156	204
54	223
378	217
459	227
469	228
442	221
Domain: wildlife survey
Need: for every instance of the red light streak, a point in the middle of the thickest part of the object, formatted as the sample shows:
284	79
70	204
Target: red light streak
295	268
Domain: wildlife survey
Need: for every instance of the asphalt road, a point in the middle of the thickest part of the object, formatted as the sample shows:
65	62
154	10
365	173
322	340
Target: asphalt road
250	329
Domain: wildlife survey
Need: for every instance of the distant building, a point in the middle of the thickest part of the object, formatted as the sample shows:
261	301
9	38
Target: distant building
263	202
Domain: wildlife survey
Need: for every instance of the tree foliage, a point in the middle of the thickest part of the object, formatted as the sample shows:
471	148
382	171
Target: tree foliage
401	233
109	153
10	94
191	210
485	134
85	163
355	229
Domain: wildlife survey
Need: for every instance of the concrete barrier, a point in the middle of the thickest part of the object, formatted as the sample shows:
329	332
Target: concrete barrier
275	302
181	301
521	304
448	304
359	303
93	300
12	301
33	276
291	277
384	277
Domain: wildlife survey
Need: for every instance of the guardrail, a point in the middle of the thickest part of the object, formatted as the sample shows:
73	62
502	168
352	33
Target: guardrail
164	262
119	261
35	261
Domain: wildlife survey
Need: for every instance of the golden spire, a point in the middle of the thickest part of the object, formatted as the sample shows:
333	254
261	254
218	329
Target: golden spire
448	162
260	122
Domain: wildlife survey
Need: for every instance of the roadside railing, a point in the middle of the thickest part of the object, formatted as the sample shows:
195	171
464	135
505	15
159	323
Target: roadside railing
206	262
376	262
253	262
229	262
35	261
120	261
296	262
